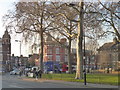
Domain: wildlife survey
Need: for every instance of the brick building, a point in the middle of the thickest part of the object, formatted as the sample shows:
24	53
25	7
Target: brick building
33	60
54	51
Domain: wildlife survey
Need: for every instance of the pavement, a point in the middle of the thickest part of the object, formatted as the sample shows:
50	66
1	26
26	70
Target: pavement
88	85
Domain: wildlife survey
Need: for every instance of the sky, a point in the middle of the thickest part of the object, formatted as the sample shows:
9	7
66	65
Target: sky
6	5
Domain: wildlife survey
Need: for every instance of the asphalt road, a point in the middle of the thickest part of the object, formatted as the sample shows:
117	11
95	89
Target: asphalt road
14	81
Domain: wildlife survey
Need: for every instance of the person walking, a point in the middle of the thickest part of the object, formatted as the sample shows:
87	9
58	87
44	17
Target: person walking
20	73
40	73
36	74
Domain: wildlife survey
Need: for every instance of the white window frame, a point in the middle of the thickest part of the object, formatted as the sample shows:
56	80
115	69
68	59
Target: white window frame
58	58
57	50
49	56
49	51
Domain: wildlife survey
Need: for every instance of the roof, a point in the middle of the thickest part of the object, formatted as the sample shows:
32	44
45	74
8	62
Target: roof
34	56
53	42
116	46
109	46
6	35
49	38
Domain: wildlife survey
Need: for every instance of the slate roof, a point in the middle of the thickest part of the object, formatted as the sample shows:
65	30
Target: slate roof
109	46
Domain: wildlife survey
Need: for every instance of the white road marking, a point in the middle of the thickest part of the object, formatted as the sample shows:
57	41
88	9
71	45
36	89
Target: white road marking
15	86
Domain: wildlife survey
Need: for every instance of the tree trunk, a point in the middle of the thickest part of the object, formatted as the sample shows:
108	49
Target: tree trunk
41	51
41	41
69	57
79	70
117	34
69	50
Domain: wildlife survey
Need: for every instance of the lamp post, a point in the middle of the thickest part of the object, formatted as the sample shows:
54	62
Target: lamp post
84	58
20	45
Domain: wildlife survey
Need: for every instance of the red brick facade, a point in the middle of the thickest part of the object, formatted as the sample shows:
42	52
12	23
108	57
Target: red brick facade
54	51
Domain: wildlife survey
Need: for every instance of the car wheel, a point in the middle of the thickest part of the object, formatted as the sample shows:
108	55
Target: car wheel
15	73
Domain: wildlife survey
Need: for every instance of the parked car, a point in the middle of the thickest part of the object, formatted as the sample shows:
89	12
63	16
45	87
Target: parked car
15	72
27	69
2	70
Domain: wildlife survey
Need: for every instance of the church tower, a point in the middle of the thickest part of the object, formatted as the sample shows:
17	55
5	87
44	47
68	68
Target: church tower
6	51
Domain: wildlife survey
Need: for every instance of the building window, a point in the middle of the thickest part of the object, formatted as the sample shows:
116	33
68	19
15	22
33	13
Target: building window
49	51
66	51
66	58
57	58
8	48
49	57
57	51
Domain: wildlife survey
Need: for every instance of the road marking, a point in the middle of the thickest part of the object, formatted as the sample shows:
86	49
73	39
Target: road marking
15	86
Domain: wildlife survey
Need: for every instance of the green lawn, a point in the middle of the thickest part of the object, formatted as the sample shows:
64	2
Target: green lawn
91	78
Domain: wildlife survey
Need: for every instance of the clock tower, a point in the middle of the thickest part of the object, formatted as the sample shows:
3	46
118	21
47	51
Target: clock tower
6	51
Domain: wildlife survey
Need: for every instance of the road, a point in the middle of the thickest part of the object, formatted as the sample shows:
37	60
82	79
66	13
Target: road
14	81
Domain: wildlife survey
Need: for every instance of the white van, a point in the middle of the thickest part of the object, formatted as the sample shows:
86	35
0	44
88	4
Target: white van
35	68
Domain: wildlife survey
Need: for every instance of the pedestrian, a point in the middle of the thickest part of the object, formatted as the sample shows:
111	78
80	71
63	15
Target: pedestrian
20	73
36	74
40	73
108	70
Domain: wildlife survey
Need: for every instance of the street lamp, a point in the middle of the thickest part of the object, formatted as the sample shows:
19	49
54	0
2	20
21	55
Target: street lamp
20	45
84	58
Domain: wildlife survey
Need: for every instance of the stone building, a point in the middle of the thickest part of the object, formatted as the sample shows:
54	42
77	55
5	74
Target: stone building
109	55
6	51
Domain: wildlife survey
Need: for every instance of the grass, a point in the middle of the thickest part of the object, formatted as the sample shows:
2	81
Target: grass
91	78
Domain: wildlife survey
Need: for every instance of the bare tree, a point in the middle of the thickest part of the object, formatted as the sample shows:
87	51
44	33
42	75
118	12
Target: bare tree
109	16
65	27
29	19
92	45
33	17
78	18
